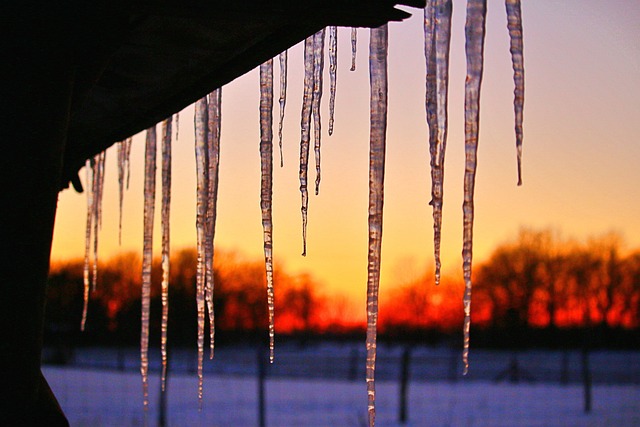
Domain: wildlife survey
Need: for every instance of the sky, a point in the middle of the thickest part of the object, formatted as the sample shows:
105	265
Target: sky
580	160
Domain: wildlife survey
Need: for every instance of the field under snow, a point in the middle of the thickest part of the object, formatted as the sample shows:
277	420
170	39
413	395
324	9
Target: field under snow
110	398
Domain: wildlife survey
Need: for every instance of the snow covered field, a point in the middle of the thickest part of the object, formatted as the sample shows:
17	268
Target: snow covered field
110	398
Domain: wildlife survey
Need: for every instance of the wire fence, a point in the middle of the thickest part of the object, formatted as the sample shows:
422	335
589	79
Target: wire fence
323	385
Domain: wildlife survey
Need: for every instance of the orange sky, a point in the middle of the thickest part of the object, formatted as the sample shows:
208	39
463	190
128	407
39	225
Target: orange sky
581	152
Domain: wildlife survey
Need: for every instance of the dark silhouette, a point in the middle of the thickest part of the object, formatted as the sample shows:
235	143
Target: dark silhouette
79	76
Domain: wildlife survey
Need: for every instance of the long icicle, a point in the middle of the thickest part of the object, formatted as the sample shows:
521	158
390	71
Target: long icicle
166	252
354	46
431	109
98	190
87	242
378	77
283	98
440	47
475	33
213	158
266	185
333	73
147	256
305	131
318	68
514	24
202	171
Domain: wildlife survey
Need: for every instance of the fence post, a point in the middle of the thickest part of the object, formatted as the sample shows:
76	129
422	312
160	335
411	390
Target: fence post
262	373
586	379
353	364
404	380
564	370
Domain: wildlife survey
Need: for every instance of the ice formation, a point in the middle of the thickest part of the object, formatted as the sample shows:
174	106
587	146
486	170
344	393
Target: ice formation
283	98
305	133
266	168
354	46
124	172
333	74
147	255
378	133
514	24
166	253
475	31
318	68
207	123
201	127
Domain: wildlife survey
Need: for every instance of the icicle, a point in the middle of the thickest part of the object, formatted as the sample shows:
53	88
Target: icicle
147	255
437	37
318	67
514	24
202	172
283	98
475	31
354	45
87	241
305	124
266	167
333	70
378	77
166	213
213	162
124	169
98	187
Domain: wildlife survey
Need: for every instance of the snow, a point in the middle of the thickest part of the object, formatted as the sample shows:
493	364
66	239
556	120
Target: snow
109	398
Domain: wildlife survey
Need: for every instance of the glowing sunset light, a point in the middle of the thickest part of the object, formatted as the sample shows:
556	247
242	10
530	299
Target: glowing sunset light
581	158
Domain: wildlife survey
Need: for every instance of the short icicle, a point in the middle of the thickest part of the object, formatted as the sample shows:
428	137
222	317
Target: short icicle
87	242
305	132
378	78
514	24
266	187
202	179
283	98
475	33
354	46
318	68
124	152
166	263
333	73
147	256
439	41
213	161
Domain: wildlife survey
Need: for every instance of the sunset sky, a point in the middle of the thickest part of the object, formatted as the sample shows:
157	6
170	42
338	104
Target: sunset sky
581	165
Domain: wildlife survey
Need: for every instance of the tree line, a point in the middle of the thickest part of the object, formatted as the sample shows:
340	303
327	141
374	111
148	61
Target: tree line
536	289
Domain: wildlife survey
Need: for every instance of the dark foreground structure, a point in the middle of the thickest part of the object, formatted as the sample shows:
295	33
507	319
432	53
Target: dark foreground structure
78	76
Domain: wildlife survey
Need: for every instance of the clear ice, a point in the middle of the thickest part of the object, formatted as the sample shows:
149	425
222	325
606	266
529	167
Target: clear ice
378	82
318	67
437	41
333	73
89	169
147	255
124	169
514	24
305	133
283	98
214	116
475	33
202	170
354	46
266	187
166	214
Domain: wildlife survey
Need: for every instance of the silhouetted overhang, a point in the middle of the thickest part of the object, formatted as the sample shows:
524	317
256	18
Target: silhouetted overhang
156	57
